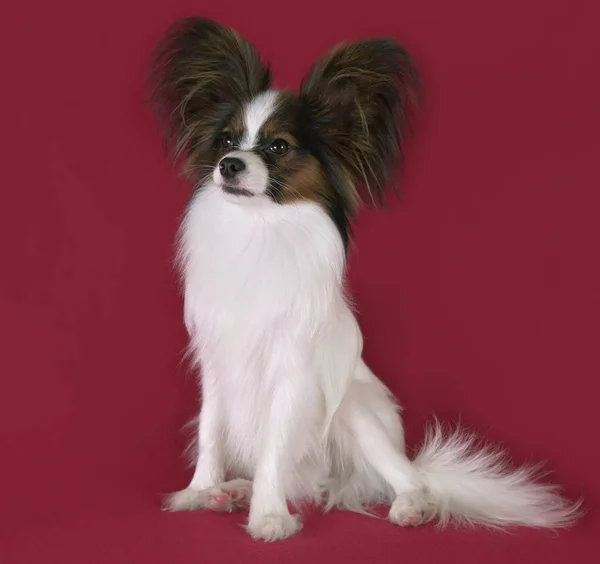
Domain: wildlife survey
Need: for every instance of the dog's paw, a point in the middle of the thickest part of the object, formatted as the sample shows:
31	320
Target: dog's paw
224	498
412	509
274	527
184	500
239	493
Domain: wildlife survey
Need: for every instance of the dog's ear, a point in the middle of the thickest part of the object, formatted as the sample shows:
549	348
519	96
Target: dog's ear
201	72
359	100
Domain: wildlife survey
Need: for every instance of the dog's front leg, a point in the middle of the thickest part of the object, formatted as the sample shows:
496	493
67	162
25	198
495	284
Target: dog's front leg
290	420
209	468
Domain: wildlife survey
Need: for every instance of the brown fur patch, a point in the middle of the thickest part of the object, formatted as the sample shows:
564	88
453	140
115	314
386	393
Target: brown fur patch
306	182
236	125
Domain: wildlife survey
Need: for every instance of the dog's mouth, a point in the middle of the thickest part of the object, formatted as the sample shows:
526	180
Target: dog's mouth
235	191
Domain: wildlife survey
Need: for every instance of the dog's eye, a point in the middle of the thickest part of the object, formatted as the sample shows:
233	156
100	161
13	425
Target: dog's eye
279	147
226	140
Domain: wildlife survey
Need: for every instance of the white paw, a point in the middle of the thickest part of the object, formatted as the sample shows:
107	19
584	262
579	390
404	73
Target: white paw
183	500
412	509
224	498
274	527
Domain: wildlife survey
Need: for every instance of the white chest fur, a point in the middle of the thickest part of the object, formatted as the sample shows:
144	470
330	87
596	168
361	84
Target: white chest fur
259	281
249	266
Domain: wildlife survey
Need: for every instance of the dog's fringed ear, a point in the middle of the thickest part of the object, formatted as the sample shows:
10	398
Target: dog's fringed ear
201	71
359	99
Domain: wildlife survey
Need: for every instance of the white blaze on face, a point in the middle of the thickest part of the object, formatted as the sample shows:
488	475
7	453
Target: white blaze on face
255	177
256	114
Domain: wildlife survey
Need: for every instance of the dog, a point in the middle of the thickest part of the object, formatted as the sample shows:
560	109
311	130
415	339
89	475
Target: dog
290	411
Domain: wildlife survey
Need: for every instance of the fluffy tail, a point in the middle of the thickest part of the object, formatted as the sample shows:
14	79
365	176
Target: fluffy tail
475	486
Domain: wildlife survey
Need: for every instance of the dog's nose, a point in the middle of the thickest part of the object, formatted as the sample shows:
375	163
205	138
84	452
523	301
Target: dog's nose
230	167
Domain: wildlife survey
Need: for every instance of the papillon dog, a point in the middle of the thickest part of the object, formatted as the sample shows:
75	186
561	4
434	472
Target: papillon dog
290	411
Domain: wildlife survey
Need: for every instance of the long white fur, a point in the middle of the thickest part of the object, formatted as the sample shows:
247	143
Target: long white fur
287	400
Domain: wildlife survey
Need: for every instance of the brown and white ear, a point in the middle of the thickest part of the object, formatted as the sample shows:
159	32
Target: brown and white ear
359	99
202	71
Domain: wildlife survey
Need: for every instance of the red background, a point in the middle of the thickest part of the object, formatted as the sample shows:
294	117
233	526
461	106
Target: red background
479	291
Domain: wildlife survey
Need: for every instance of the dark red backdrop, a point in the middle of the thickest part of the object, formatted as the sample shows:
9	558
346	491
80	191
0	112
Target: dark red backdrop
479	291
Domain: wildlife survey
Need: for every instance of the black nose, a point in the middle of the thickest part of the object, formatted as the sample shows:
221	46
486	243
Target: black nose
230	167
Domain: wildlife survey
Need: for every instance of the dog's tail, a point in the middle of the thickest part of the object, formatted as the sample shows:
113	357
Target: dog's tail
474	486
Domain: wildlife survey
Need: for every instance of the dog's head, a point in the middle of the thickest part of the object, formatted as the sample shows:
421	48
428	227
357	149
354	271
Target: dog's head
344	130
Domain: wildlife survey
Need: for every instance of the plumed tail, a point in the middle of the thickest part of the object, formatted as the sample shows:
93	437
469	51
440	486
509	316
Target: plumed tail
473	485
